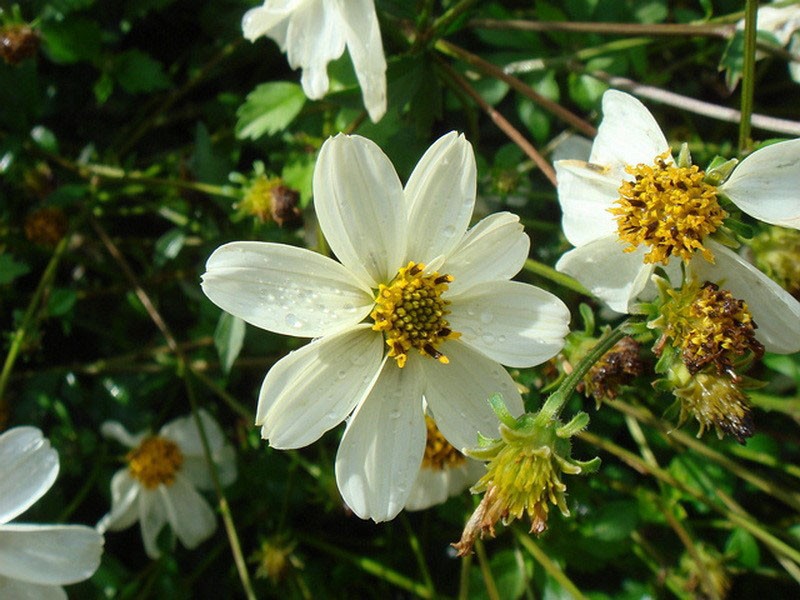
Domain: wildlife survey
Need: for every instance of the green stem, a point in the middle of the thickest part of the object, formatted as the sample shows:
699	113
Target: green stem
416	549
486	571
443	22
549	565
748	72
18	339
548	272
557	399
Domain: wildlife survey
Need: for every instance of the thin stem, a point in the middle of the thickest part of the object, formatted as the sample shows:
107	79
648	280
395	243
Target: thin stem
557	399
416	549
486	570
548	272
463	577
520	86
443	22
502	123
748	73
549	565
648	29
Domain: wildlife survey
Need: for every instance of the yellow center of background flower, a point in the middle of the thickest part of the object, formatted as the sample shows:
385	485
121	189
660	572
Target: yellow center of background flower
439	453
668	208
410	312
155	461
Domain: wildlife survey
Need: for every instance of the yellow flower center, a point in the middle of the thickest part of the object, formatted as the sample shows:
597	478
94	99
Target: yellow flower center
155	461
668	208
410	312
709	326
439	453
716	401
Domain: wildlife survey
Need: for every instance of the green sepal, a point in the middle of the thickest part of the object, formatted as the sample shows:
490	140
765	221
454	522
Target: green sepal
578	423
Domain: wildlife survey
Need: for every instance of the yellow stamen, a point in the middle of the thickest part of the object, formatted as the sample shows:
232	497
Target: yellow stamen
668	208
410	312
155	461
439	454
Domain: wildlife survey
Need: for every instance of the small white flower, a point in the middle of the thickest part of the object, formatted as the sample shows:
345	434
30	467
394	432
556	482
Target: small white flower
314	32
669	217
444	472
379	353
158	486
784	23
36	560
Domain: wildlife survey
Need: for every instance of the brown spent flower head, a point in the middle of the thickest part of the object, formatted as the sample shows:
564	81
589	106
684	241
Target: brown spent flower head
275	559
46	226
669	208
268	199
707	576
18	42
523	474
615	369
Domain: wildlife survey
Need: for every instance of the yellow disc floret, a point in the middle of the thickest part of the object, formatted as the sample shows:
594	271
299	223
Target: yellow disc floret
410	312
439	453
668	208
155	461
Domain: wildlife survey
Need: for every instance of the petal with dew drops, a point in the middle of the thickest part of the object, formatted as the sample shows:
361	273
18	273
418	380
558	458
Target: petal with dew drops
28	467
494	249
514	323
314	388
288	290
614	276
314	37
382	447
628	135
440	197
363	35
774	310
458	393
586	192
766	184
49	554
359	202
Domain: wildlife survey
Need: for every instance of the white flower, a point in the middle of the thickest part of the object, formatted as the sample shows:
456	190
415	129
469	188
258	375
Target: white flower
444	472
36	560
158	484
390	240
314	32
783	22
670	214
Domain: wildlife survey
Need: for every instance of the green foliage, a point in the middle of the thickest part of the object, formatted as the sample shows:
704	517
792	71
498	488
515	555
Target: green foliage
269	108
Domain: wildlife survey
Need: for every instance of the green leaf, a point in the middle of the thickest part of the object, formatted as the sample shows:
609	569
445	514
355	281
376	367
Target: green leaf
168	246
61	301
744	548
10	269
509	576
614	521
269	109
139	73
228	339
72	40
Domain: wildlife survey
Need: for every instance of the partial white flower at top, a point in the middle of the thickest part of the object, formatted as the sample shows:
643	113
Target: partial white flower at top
784	23
631	209
314	32
36	560
418	306
158	485
444	472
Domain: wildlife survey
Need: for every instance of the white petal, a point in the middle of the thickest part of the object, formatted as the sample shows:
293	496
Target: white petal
288	290
114	430
774	310
49	554
359	202
271	20
382	447
313	39
627	135
314	388
614	276
14	589
152	518
363	36
794	66
28	467
514	323
766	185
434	486
458	393
494	249
440	197
188	513
586	192
124	503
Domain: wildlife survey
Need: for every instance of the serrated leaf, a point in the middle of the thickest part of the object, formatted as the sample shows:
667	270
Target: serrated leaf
268	109
228	339
139	73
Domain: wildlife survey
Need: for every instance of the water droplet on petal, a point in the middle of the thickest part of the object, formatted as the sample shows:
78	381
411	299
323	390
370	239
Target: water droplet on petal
488	339
449	231
395	414
292	321
487	317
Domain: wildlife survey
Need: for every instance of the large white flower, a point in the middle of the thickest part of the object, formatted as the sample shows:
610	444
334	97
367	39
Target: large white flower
36	560
314	32
631	209
158	485
417	306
